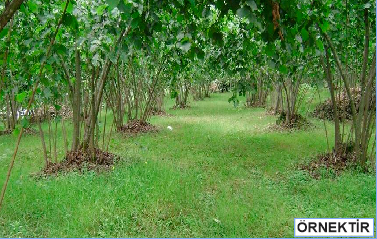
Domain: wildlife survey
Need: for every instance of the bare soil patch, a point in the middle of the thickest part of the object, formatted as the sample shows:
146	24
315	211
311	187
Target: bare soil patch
160	113
30	131
180	107
27	131
344	110
136	127
82	161
298	122
5	132
331	162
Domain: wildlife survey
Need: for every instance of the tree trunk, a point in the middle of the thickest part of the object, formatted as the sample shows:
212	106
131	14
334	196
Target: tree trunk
277	105
327	68
9	11
41	134
76	107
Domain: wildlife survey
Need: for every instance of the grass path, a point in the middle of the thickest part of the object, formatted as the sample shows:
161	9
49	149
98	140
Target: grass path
218	173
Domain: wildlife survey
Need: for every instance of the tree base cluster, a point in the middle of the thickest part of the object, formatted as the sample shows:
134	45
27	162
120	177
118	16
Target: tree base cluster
182	107
135	127
332	163
82	161
159	113
325	110
296	121
27	131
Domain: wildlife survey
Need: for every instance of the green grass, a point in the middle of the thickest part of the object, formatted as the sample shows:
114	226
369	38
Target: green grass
219	173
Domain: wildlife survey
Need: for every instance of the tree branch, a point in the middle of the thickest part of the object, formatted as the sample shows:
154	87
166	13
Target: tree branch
8	13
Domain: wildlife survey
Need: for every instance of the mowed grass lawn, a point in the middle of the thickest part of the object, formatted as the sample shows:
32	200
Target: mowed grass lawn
218	173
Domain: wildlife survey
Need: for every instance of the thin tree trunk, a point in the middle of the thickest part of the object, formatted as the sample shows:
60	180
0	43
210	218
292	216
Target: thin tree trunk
104	129
76	107
92	116
50	136
108	142
288	113
64	137
41	134
55	139
277	105
327	68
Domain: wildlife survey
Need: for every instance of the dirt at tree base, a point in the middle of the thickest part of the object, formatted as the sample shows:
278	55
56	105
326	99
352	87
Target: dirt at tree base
30	131
136	127
331	162
284	128
5	132
255	105
325	110
26	131
159	113
271	111
82	161
180	107
297	122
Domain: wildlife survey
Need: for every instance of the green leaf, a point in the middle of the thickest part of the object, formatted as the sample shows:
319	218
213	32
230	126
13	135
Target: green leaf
304	34
192	2
299	16
270	49
185	46
243	12
138	43
48	68
70	20
22	8
298	38
252	5
283	69
135	23
16	130
21	97
180	18
70	7
199	53
47	92
367	5
325	26
271	64
60	49
100	10
112	4
125	7
57	107
180	36
173	94
33	7
320	45
44	81
113	57
4	32
24	123
157	27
